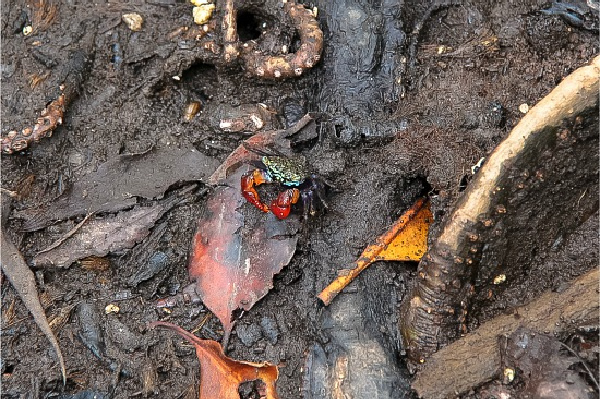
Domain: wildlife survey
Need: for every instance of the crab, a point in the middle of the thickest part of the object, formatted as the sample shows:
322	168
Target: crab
291	172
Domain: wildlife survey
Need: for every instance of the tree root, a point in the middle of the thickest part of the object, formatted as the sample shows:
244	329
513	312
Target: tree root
476	358
508	212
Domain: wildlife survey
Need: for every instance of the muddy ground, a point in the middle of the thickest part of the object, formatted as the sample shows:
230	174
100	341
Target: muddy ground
449	107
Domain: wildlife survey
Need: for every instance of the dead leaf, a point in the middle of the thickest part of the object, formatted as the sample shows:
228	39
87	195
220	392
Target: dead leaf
117	183
22	279
406	240
234	258
112	233
221	376
279	138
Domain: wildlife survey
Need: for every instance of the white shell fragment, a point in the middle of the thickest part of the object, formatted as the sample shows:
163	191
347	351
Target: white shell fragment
198	2
258	122
133	21
509	374
499	279
203	13
27	30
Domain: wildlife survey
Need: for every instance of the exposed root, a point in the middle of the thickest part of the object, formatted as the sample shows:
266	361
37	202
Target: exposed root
49	119
276	66
483	237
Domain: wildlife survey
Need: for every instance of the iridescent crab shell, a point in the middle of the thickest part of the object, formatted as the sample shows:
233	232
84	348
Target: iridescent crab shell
288	171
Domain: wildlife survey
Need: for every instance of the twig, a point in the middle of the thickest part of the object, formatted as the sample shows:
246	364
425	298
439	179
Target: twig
584	364
66	236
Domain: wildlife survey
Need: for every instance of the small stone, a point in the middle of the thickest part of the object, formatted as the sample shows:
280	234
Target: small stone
112	308
133	21
524	108
249	334
509	374
198	2
499	279
27	30
269	328
203	13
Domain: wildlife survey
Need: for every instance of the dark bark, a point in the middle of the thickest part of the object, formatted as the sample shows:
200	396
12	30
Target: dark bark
476	358
540	183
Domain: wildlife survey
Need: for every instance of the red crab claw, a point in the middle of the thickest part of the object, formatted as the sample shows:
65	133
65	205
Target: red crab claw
282	205
251	179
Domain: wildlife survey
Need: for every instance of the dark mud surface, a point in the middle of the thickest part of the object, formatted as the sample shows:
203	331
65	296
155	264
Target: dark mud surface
391	129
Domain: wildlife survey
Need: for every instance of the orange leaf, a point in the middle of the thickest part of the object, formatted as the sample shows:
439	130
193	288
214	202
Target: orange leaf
405	240
221	376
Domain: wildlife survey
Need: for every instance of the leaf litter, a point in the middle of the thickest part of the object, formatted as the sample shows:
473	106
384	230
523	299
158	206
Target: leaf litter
221	376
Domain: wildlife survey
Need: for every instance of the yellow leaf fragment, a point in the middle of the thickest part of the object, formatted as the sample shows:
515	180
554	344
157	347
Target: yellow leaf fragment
405	240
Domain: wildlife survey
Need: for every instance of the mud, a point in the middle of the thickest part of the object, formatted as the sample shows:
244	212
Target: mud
391	129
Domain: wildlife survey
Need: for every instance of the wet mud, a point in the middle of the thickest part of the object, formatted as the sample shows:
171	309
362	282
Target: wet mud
390	129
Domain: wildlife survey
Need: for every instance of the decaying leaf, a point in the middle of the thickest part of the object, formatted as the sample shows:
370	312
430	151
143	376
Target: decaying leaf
98	237
220	375
22	279
263	139
405	240
234	258
116	184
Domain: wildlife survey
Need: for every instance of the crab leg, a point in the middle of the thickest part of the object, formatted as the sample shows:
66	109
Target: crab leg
282	205
251	179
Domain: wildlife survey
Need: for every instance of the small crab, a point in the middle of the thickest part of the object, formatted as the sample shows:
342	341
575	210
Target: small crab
290	171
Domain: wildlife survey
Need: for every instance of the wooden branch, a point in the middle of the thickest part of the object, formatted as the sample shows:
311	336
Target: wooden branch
475	358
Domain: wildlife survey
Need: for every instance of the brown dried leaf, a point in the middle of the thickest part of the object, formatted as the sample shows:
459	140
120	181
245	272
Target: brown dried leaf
98	237
116	183
220	375
23	281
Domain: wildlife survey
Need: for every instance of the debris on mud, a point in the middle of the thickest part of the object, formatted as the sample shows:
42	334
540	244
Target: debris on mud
406	240
221	376
406	96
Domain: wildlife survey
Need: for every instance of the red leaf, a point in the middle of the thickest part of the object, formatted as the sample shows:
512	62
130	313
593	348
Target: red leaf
233	260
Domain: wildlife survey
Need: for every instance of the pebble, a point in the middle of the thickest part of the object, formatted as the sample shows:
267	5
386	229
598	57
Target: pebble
269	328
133	21
524	108
249	334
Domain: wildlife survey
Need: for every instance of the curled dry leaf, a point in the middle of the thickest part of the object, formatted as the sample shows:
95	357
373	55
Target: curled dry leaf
22	279
220	375
405	240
